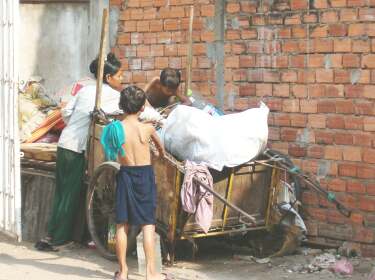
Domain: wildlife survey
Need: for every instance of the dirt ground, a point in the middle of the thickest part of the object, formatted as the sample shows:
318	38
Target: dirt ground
20	261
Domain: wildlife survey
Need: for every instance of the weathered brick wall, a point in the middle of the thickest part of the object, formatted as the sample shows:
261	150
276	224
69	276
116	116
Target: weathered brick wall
312	62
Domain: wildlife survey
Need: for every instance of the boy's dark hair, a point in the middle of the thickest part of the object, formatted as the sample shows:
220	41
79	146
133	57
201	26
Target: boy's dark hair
111	66
170	78
132	99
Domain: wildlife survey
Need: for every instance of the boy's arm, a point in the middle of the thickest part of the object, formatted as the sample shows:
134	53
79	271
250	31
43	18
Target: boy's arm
155	138
68	109
183	98
151	84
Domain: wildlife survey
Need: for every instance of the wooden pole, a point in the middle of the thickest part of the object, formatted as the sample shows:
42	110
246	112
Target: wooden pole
189	52
103	41
99	84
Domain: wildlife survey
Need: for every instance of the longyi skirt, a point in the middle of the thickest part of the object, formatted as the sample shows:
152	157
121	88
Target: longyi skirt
136	195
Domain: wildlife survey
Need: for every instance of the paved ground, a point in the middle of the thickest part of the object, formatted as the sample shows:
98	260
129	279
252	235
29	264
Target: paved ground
22	262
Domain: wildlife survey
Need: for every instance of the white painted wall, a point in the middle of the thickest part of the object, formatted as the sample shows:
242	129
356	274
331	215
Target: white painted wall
54	43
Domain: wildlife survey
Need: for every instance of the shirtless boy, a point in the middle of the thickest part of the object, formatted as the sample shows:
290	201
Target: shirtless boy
160	91
136	189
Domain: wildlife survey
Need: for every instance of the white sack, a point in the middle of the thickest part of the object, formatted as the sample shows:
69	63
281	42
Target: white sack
229	140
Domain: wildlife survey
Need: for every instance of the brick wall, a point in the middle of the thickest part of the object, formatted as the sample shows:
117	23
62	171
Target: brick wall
312	62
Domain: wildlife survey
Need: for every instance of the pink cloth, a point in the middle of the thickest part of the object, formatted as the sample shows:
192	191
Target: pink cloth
191	194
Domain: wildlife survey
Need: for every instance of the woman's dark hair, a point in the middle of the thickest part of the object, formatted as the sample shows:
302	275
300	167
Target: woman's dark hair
170	78
111	66
132	98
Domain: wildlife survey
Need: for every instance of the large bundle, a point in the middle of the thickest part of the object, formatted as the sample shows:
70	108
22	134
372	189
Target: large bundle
229	140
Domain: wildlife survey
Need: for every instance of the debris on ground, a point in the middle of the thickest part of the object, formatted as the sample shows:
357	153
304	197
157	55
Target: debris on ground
343	267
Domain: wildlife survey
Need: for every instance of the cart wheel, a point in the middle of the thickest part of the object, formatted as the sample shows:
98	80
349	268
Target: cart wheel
100	205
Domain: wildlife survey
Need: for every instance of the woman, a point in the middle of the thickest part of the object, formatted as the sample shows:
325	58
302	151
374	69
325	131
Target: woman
70	163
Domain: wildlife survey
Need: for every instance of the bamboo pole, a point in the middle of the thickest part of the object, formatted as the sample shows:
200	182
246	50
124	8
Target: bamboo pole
103	41
189	52
99	84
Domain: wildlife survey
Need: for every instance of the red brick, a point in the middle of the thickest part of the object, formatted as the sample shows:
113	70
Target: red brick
288	134
329	17
281	90
344	106
248	7
362	140
306	76
298	120
369	155
361	46
324	75
233	8
317	213
364	235
366	204
322	45
300	91
255	75
333	152
341	76
370	189
357	29
247	90
342	45
366	172
263	61
321	4
293	19
348	15
338	30
298	5
285	32
280	61
249	34
258	20
353	123
232	35
271	76
368	61
335	122
369	123
310	18
356	3
164	37
208	10
323	137
309	106
356	187
343	139
354	91
297	61
289	76
315	60
320	31
296	151
338	3
316	90
315	151
348	169
123	39
255	47
247	61
334	91
274	104
232	62
351	60
352	154
282	119
263	89
326	106
309	198
299	32
241	104
337	185
317	121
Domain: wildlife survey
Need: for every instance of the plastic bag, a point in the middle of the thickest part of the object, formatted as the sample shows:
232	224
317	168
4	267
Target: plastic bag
229	140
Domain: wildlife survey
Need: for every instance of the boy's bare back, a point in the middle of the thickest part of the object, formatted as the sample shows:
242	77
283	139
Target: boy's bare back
137	142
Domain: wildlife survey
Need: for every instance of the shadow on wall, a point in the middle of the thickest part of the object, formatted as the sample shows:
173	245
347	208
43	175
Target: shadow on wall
54	43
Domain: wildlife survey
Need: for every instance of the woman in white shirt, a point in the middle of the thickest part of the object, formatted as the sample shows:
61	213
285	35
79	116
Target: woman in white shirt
70	163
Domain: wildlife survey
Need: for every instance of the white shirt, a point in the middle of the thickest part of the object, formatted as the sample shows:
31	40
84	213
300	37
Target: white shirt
76	115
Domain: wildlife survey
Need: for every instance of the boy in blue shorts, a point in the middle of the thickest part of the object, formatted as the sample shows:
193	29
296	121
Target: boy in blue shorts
136	189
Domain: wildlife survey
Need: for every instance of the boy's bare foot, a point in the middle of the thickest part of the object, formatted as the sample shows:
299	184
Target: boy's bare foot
121	275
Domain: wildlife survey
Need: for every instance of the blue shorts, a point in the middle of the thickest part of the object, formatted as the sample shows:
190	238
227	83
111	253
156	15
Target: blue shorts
136	195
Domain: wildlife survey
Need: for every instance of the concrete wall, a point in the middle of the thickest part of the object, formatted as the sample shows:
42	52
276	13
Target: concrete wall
54	43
